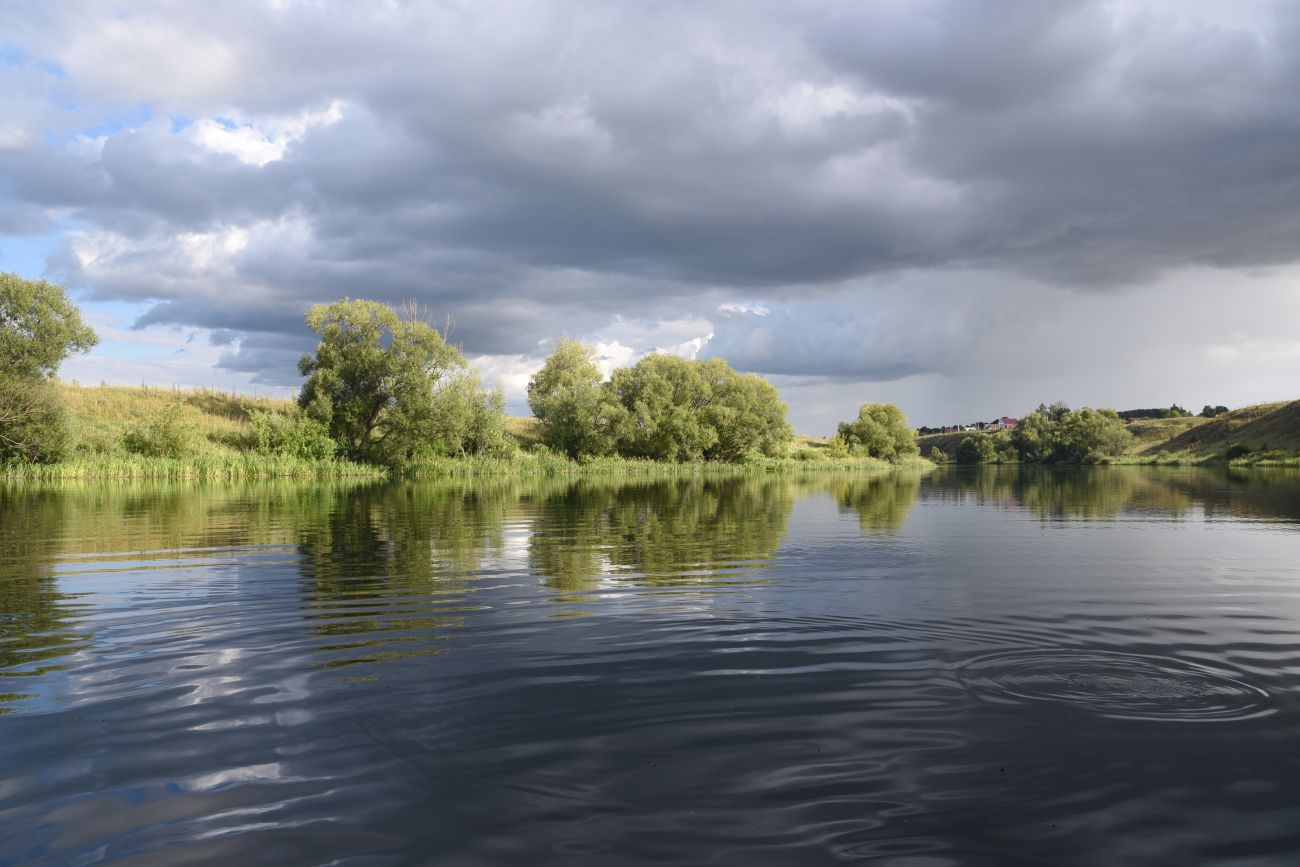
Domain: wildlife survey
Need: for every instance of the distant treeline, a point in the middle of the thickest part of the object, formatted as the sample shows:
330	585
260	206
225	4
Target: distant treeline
385	387
1051	434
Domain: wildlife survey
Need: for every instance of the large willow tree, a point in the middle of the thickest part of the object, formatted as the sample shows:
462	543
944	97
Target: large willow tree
390	387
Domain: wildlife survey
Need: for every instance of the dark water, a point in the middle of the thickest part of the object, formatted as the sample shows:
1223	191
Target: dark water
1003	667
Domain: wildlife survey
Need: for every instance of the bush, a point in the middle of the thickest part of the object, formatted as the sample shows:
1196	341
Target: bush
937	455
1236	450
293	435
165	436
34	424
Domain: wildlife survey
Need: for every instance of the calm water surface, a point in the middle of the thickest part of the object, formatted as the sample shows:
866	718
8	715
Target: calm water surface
988	667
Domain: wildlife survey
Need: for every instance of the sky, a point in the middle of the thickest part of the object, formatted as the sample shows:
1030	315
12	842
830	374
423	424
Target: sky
963	208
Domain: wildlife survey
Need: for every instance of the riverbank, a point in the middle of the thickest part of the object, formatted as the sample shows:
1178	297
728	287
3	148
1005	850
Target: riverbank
220	447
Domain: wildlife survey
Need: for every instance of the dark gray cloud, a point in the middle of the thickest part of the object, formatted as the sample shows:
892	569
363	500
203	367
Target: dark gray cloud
546	168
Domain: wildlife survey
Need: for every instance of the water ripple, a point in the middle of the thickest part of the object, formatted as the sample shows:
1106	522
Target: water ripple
1116	685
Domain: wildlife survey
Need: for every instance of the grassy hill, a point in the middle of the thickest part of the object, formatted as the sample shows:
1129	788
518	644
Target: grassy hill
1269	431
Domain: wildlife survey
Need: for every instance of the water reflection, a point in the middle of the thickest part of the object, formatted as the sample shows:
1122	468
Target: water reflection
37	623
389	570
382	673
664	534
882	503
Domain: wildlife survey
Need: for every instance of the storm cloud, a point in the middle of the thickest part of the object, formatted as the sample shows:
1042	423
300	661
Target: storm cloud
903	189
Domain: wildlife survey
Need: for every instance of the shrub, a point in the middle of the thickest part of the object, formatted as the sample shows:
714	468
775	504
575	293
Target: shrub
937	455
34	424
1236	450
164	436
292	434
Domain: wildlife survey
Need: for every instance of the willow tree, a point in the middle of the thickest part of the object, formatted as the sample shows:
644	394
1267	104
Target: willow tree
39	328
380	381
881	430
568	398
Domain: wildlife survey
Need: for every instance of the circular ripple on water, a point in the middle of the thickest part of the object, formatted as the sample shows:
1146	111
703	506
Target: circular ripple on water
1113	684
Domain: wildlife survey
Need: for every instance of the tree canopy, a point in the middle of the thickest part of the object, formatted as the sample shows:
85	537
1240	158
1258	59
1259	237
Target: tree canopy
1070	435
663	408
881	430
388	385
569	399
39	328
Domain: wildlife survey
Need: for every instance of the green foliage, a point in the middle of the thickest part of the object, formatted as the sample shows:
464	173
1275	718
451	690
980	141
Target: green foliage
374	379
746	412
978	448
294	435
669	408
937	456
34	423
466	420
1034	437
1070	436
166	435
1211	411
39	327
881	430
569	400
663	399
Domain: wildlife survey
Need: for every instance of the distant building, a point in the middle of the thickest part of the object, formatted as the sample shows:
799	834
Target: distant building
1003	423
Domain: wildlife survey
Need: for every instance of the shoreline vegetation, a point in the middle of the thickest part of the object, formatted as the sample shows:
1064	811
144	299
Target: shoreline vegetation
217	432
385	395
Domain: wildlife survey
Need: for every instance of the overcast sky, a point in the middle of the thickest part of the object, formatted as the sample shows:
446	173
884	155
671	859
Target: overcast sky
965	208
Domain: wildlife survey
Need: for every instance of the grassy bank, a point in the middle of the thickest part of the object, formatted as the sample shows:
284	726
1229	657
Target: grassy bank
220	447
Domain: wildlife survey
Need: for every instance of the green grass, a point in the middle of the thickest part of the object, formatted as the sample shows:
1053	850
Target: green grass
543	464
219	447
198	467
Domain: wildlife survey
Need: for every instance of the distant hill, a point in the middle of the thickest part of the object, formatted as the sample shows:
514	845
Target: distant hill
1264	427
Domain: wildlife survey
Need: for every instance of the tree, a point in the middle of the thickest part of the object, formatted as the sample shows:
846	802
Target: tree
663	398
978	448
937	456
374	377
1072	436
39	328
881	430
465	419
1084	433
746	413
568	398
1033	437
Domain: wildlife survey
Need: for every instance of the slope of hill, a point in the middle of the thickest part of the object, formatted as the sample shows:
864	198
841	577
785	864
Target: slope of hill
1264	430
